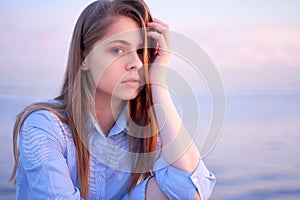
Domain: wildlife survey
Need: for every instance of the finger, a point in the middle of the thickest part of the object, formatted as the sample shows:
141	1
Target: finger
161	22
160	28
160	39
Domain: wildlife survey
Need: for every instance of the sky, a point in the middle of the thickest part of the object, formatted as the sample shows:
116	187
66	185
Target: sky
254	44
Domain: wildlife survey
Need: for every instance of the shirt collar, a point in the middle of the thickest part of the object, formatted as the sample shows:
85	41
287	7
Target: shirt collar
121	124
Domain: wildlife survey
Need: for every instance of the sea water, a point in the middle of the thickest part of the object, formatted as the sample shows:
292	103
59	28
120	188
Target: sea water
256	156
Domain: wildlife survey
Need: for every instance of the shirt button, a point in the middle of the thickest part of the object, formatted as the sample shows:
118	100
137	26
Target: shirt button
100	176
195	179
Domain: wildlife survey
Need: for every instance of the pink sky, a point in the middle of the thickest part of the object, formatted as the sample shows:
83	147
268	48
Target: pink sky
255	52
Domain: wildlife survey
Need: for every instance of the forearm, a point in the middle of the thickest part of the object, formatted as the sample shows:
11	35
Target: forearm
185	176
178	148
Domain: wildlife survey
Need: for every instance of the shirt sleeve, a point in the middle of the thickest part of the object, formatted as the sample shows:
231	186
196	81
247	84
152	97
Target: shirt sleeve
179	184
204	180
42	158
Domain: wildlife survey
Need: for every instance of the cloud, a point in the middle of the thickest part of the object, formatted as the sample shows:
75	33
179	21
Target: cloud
253	47
257	59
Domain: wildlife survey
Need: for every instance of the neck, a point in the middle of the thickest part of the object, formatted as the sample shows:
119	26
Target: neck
107	110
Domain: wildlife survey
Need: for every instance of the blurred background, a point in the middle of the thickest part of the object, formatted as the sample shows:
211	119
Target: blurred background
255	46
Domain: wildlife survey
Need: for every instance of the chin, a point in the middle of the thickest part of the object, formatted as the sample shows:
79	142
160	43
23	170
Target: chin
133	96
129	96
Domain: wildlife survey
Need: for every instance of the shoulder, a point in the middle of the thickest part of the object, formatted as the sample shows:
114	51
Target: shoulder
45	125
43	119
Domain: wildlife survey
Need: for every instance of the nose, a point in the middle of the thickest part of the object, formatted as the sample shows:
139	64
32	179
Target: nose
134	61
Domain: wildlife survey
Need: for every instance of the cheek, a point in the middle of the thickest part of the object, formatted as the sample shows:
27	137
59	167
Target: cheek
110	78
98	63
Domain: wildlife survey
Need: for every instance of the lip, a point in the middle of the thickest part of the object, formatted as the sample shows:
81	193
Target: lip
132	82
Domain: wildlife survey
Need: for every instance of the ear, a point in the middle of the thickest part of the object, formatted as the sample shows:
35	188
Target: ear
84	66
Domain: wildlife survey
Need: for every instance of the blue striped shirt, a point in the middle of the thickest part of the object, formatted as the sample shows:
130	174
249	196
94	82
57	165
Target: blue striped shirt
48	167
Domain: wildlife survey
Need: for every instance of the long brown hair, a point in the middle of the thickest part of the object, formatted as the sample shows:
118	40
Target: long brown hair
77	96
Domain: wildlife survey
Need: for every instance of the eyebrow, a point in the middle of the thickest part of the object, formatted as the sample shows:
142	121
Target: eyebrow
124	42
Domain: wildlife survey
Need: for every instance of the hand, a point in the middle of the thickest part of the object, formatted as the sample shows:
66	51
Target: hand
161	35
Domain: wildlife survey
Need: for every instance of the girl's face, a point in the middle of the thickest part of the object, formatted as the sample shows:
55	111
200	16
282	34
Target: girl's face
114	62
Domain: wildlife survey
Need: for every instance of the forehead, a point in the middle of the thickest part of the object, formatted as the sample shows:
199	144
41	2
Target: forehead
123	28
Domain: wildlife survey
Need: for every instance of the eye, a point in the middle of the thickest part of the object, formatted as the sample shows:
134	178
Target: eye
140	51
117	51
